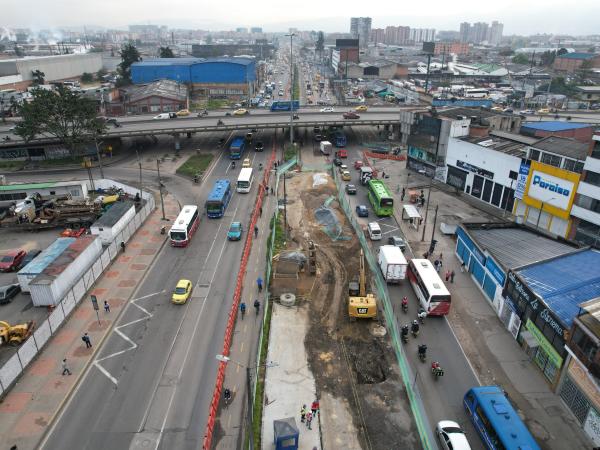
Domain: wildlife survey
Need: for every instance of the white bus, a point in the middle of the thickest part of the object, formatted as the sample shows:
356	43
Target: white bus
244	182
431	291
184	226
476	93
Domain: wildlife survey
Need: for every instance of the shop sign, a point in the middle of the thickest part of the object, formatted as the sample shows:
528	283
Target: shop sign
544	344
477	254
474	169
525	293
495	271
547	316
522	180
579	375
550	189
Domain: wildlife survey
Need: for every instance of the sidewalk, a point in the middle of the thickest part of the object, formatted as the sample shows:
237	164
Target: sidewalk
33	403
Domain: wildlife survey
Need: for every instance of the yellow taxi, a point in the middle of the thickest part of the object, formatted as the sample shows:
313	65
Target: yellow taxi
346	175
361	108
543	111
246	163
240	112
183	113
182	292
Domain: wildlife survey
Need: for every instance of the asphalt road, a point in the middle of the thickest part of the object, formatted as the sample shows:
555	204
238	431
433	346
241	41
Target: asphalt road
165	384
442	398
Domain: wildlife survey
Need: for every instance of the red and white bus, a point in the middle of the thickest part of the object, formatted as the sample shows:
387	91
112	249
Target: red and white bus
185	225
429	287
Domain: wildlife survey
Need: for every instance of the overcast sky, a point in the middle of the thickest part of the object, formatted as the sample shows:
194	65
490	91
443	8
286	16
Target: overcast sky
519	16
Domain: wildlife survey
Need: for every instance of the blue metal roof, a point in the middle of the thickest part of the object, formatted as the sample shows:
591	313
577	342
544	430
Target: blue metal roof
47	257
218	190
565	282
577	55
554	125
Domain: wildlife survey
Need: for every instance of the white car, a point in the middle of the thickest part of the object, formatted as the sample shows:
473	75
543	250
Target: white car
327	109
451	436
527	112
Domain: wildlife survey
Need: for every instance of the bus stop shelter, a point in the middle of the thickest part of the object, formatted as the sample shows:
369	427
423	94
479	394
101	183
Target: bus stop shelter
411	214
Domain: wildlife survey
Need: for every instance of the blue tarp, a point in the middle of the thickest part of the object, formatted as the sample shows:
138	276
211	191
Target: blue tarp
554	125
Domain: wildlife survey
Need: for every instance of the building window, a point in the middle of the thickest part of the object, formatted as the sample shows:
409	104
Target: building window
551	160
584	344
596	150
592	178
534	155
573	166
588	203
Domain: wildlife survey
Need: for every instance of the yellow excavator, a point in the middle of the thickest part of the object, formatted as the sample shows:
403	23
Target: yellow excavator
360	304
15	334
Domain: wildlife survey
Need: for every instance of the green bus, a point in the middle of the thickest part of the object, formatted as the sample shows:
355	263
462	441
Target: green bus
380	198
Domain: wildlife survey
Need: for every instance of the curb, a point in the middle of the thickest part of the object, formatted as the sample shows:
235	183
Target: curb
87	365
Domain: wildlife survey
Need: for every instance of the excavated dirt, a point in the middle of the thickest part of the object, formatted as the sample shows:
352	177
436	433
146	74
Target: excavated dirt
347	360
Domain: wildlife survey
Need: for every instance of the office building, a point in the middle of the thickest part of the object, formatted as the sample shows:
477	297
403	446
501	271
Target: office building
481	33
360	28
256	30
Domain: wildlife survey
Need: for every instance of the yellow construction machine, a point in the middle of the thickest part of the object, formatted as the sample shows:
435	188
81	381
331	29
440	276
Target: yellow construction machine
360	304
15	334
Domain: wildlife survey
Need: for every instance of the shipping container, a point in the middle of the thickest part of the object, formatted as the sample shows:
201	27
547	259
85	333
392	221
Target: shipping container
50	286
112	222
392	263
41	261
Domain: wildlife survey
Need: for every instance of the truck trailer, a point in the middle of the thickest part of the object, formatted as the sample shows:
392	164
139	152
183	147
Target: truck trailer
392	263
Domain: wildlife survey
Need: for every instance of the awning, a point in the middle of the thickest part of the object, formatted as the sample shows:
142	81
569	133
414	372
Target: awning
410	212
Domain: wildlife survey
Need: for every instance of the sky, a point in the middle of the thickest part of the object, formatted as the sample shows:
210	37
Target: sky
519	16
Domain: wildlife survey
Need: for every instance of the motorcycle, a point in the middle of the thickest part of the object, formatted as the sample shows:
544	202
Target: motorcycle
422	352
227	397
415	329
233	164
219	122
203	113
436	370
422	314
260	166
163	229
405	305
404	334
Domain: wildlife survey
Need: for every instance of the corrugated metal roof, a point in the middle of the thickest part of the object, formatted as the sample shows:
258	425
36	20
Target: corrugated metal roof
499	144
192	61
22	187
44	259
515	247
565	282
576	55
555	125
113	215
563	146
162	88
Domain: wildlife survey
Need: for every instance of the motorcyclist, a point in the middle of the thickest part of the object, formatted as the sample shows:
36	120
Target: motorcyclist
227	394
256	306
243	309
436	369
415	327
422	350
260	166
233	164
405	304
422	314
404	332
219	122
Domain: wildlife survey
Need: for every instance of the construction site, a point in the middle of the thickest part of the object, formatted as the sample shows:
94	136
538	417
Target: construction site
357	379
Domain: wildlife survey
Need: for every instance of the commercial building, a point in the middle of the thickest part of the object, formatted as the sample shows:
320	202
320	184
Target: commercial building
579	387
580	131
588	94
346	51
546	190
546	296
451	48
571	62
360	28
384	70
586	209
160	96
233	78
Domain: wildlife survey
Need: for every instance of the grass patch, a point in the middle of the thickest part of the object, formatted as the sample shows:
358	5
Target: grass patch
289	153
217	104
195	164
12	165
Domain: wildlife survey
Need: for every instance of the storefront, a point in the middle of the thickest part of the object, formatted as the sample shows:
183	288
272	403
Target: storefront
548	197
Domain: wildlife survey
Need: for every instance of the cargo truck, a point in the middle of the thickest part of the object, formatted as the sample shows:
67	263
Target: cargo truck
325	147
392	263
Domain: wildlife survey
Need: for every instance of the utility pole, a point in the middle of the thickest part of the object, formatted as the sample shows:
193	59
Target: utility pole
291	36
434	221
250	411
427	78
160	186
284	207
99	159
140	165
426	211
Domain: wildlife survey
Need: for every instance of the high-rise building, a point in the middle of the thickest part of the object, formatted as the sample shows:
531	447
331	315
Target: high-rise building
418	35
360	28
256	30
377	35
496	33
241	30
481	32
465	30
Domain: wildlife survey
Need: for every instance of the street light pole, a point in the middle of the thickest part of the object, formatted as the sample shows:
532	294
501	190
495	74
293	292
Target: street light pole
537	223
99	158
291	35
160	186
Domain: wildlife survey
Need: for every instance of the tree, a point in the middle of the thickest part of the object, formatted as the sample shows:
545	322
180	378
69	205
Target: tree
547	58
320	44
562	51
506	52
166	52
129	55
38	77
520	59
62	113
584	70
87	77
100	75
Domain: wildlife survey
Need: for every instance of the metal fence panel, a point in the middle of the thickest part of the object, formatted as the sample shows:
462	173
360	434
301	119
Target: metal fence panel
42	334
105	258
27	351
55	319
88	279
79	290
98	268
68	303
10	371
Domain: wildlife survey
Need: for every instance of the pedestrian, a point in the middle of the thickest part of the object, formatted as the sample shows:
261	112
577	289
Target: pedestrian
452	276
447	275
383	174
425	255
260	211
314	407
441	257
302	413
259	283
440	262
271	190
85	338
255	230
65	368
309	418
106	307
403	193
462	268
435	263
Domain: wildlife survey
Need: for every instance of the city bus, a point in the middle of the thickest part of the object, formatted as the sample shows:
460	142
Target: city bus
380	198
236	148
185	225
339	139
244	181
496	421
431	291
476	93
218	199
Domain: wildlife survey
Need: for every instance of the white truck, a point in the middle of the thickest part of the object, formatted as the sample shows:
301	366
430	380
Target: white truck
392	263
325	147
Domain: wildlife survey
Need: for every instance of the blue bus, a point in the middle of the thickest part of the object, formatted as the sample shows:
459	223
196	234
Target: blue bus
496	421
218	199
285	105
236	148
339	139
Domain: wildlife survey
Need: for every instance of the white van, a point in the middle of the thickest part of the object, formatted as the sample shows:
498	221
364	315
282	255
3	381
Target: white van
162	116
374	231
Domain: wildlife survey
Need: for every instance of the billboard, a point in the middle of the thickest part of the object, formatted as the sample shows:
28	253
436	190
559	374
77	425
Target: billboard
554	187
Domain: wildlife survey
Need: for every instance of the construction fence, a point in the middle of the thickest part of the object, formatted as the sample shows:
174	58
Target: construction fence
28	350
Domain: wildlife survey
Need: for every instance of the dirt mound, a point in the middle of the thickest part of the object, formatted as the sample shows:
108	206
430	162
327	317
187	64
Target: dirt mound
368	360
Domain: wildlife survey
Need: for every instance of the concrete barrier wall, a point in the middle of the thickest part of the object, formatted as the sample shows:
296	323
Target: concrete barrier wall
14	367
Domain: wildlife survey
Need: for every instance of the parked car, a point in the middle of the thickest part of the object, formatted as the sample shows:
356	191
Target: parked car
350	115
397	241
183	113
182	292
235	231
259	146
327	109
350	189
11	260
8	292
362	211
451	436
31	254
337	161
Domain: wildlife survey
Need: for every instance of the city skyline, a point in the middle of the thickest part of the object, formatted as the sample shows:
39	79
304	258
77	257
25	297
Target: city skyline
311	15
